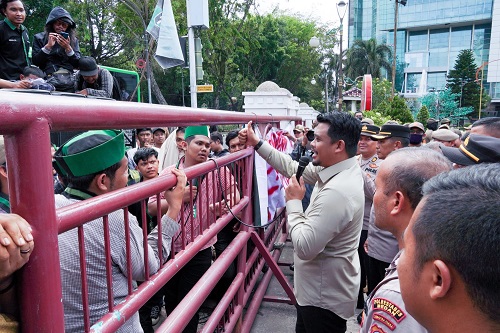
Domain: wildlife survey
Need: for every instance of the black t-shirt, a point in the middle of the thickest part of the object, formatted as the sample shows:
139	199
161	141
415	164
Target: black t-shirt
14	48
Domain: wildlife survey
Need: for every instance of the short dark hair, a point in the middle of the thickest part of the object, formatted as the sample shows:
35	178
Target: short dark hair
143	154
214	136
28	70
343	126
231	135
3	5
415	166
490	124
83	182
405	142
459	223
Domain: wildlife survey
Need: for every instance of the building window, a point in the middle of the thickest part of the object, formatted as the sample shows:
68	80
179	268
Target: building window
413	82
436	81
417	41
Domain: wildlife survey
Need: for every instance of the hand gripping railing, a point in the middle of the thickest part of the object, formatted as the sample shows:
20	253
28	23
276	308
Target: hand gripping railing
26	122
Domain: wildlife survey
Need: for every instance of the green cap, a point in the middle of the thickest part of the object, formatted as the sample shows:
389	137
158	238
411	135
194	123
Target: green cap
196	130
90	152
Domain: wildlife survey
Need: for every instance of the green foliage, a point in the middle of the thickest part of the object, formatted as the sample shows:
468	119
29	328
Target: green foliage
399	110
461	81
368	57
378	117
423	115
381	92
445	105
240	50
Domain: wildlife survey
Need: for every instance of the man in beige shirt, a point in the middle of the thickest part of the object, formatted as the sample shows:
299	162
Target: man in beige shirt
325	237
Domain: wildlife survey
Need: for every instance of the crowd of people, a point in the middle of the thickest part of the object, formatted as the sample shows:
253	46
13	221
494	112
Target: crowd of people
375	196
398	209
55	62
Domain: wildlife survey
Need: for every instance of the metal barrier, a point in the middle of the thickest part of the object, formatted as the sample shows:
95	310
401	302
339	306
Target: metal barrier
26	122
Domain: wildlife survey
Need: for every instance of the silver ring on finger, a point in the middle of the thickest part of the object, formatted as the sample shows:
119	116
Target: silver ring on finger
25	251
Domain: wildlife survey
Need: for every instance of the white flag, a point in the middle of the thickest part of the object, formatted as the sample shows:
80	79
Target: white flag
163	29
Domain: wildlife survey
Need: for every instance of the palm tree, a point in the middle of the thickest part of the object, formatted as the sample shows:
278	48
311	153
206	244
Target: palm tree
368	57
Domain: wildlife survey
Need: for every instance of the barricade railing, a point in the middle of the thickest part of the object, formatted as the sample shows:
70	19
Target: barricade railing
26	122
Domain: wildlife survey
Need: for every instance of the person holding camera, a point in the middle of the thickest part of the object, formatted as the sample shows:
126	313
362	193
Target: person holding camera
56	50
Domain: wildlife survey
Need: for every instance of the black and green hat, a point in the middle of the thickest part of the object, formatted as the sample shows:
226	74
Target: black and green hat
90	152
196	130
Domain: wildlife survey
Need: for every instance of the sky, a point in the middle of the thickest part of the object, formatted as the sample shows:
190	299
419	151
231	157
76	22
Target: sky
321	10
324	11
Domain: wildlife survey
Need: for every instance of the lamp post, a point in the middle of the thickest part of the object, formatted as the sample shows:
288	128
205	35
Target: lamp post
313	81
341	10
396	3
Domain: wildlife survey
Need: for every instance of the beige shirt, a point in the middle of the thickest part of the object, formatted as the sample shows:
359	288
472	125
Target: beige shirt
326	236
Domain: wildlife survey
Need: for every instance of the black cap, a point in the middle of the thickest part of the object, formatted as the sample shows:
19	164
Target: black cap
474	150
390	130
88	66
369	130
159	129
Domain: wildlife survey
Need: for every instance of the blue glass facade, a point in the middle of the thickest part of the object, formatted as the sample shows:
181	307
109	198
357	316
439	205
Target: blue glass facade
431	33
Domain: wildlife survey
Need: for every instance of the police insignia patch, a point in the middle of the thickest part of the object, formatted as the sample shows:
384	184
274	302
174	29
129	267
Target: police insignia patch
384	321
388	307
376	329
373	166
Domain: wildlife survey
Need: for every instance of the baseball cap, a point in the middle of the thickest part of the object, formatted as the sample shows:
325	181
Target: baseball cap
299	128
444	135
158	129
475	149
417	125
87	66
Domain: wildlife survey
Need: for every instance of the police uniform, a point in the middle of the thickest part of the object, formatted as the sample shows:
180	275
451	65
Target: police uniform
369	167
385	310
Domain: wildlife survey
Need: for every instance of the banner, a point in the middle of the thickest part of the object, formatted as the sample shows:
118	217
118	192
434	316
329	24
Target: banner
163	29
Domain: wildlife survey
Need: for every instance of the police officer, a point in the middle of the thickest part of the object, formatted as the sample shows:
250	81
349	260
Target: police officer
394	204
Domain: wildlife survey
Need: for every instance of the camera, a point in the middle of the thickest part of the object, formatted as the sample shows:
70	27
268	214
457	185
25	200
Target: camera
310	135
64	35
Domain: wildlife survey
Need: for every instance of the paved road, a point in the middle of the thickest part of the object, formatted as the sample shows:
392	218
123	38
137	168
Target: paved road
280	318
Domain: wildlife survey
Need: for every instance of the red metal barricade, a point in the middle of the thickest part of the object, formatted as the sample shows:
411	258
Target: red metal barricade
26	121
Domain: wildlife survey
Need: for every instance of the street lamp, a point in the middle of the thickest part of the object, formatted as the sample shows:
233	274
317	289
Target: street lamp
313	81
341	10
397	2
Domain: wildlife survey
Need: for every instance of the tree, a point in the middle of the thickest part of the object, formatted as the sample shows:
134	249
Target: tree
381	92
378	118
423	115
461	81
368	57
399	110
444	105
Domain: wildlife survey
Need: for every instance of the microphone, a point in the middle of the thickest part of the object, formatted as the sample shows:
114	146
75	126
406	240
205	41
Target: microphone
303	162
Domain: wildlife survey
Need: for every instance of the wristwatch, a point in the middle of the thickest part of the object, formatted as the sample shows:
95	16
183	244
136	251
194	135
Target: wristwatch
258	145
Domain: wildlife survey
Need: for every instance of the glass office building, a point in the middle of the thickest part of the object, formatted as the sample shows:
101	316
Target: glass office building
430	35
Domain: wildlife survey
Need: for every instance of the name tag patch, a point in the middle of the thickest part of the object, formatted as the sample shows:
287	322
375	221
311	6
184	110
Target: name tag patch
376	329
388	307
384	321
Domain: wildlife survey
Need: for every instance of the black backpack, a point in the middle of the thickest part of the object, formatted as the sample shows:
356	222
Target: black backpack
116	94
